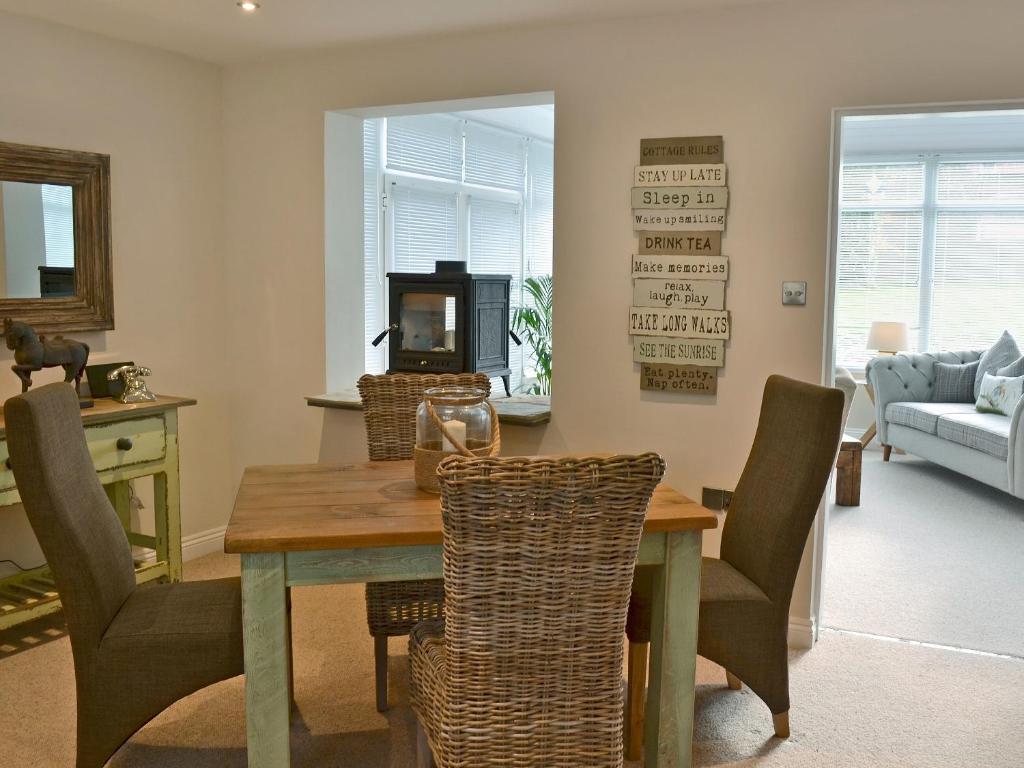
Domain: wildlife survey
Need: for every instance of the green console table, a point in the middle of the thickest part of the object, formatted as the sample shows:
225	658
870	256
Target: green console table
126	442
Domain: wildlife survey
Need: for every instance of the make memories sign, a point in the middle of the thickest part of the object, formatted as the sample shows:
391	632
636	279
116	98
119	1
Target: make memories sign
682	323
675	293
679	221
694	267
652	349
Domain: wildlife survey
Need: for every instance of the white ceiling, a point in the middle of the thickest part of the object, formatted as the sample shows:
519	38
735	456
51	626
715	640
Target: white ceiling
218	31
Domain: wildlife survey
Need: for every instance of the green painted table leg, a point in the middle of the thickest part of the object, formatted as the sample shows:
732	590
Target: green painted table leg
668	734
265	632
120	497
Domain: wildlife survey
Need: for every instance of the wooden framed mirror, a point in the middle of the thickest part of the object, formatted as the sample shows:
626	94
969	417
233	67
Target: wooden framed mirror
55	262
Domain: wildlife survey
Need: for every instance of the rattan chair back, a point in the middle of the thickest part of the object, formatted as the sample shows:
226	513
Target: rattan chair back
538	560
389	408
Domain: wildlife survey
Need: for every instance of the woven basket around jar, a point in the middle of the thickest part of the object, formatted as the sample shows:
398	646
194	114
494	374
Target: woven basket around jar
427	459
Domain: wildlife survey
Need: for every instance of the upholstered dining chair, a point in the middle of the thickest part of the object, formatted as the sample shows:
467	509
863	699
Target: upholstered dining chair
389	410
745	594
136	650
525	668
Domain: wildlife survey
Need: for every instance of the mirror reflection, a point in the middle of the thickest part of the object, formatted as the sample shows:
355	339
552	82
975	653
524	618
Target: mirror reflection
37	241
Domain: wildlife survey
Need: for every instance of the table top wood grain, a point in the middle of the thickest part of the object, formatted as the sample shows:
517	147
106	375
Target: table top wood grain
303	507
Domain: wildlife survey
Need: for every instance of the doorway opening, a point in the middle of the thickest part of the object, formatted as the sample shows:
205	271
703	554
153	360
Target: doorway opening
926	322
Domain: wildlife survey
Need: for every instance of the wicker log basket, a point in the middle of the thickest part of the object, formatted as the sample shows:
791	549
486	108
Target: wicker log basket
427	459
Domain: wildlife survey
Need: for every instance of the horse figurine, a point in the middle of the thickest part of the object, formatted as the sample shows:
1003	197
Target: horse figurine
33	353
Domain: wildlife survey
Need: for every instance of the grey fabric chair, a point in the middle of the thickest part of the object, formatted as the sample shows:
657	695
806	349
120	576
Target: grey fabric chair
745	595
136	650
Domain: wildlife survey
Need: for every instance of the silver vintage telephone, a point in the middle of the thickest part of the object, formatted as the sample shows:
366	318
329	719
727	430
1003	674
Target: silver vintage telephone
135	390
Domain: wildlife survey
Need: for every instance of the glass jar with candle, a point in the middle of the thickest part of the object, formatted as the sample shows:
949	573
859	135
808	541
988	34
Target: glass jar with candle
452	420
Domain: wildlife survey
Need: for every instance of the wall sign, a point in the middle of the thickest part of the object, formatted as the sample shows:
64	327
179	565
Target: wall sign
653	349
687	244
678	318
682	149
682	323
679	175
691	379
682	221
680	197
693	267
679	293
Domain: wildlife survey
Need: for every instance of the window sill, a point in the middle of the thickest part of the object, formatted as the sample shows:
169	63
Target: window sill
518	410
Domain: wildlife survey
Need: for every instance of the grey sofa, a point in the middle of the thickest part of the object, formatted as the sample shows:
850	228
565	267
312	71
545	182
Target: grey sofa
984	446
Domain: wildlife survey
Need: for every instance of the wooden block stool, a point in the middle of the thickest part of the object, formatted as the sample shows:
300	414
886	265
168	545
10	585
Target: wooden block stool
848	472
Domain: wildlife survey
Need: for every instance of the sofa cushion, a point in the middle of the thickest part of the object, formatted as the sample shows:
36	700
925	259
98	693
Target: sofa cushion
954	383
986	432
923	416
999	355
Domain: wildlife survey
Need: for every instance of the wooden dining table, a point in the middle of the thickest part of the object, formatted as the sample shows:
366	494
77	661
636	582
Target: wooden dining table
306	524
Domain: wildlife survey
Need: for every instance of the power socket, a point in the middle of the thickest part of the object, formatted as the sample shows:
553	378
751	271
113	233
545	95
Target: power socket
716	498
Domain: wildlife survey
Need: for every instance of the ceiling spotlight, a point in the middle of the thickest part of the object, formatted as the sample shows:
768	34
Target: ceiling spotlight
248	6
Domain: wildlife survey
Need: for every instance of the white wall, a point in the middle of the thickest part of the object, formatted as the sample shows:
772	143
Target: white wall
158	116
764	76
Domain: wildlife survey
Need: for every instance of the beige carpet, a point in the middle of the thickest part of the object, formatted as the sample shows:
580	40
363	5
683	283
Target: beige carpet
856	702
929	555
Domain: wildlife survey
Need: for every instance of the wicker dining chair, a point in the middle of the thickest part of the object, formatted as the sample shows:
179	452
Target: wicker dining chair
390	401
525	668
745	594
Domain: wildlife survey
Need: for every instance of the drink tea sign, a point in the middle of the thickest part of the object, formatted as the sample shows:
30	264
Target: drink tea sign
678	320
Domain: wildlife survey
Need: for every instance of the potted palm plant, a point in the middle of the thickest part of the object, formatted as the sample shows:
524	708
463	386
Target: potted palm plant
532	322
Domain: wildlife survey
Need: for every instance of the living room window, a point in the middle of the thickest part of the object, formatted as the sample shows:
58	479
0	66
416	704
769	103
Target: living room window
449	187
934	239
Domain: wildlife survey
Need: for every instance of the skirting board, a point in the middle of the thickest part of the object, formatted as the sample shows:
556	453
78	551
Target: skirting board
197	544
801	632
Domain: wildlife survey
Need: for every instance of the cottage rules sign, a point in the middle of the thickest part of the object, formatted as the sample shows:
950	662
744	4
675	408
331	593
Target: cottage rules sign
678	320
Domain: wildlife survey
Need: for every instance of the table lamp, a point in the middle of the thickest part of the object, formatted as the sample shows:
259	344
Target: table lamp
888	337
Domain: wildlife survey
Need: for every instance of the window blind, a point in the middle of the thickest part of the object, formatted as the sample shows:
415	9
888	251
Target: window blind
430	145
425	228
878	264
58	225
979	254
373	277
495	158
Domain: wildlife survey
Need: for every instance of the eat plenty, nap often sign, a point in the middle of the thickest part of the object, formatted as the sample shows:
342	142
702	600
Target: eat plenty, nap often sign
679	175
680	197
677	293
679	221
663	377
693	267
703	352
682	323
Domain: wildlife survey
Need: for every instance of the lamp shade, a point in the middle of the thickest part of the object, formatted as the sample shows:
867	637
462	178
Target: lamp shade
888	336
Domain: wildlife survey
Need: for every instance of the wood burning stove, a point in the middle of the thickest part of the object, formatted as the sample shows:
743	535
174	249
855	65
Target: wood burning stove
449	322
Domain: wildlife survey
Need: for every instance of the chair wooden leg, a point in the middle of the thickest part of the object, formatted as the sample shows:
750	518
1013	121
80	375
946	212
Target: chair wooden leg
636	690
424	757
732	681
886	452
380	659
781	723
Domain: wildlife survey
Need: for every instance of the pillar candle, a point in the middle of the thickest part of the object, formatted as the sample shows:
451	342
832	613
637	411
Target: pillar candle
457	429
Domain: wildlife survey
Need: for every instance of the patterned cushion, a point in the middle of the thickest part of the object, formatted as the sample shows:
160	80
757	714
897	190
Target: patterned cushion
955	383
999	355
1016	368
999	394
986	432
923	416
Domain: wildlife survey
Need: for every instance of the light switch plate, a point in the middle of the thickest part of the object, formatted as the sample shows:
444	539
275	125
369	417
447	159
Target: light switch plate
794	293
